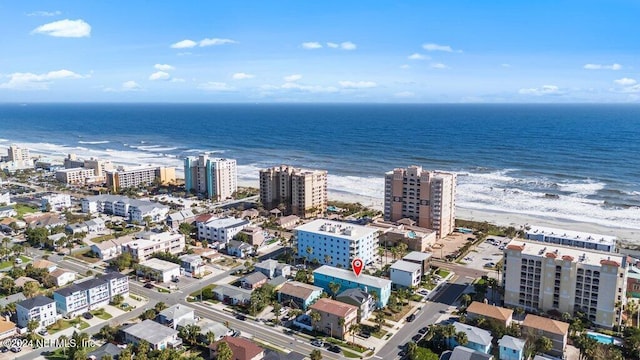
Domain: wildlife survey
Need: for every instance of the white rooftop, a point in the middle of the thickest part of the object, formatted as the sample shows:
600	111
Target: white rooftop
227	222
350	276
583	256
417	256
511	342
572	235
406	266
337	229
160	265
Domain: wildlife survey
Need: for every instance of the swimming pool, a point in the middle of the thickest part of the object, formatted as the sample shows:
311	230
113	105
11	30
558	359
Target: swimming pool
604	339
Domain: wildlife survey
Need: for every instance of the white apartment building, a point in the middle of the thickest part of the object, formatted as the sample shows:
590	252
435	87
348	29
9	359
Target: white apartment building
215	177
75	176
543	277
303	192
220	229
16	153
147	243
5	198
131	209
336	243
40	308
406	274
58	202
71	300
427	197
159	270
577	239
91	294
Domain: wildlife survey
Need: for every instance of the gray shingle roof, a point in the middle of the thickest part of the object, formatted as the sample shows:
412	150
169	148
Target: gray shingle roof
150	331
35	302
474	334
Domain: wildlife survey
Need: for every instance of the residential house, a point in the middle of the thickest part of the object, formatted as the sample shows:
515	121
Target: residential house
272	268
239	249
207	254
145	244
62	277
556	331
57	239
406	274
325	275
220	230
106	351
416	238
159	270
56	202
7	211
422	258
71	300
15	298
500	315
110	249
184	216
5	224
511	348
464	353
253	280
218	329
232	295
95	225
19	282
7	328
335	317
255	235
158	336
77	228
478	339
298	295
192	265
242	349
288	222
47	221
360	298
176	315
40	308
277	282
118	284
249	214
45	264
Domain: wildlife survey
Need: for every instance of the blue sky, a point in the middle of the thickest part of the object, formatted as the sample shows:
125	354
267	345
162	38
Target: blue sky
332	51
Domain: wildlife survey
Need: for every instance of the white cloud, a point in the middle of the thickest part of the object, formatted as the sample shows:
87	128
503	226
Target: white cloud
631	89
311	45
404	94
215	42
348	45
625	81
357	84
45	13
602	67
416	56
292	77
242	76
65	28
159	75
131	86
163	67
436	47
31	81
184	44
215	86
544	90
404	66
439	66
333	45
309	88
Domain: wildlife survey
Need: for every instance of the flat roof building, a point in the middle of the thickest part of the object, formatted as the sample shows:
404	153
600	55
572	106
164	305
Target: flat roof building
576	239
324	275
302	192
216	178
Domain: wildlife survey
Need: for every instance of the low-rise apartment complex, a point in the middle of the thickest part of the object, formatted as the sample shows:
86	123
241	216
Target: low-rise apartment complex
122	179
219	230
40	308
336	243
577	239
542	277
56	202
91	294
146	243
325	275
132	209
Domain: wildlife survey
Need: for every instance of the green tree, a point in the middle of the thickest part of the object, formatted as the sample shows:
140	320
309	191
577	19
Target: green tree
316	354
466	299
223	351
32	325
543	344
379	320
461	338
211	337
160	306
412	350
315	317
334	287
186	228
108	333
117	300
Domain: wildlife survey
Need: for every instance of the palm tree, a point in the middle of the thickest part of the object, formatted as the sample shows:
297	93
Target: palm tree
543	345
160	306
211	337
466	299
379	320
327	259
354	328
341	323
412	349
223	351
315	317
461	338
334	287
381	251
276	310
493	283
315	355
309	252
519	311
63	339
448	332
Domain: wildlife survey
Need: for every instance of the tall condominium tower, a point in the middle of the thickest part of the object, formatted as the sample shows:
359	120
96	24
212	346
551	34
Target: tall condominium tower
16	153
427	197
216	178
302	192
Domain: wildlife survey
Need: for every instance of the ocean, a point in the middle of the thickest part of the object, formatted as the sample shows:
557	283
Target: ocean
574	162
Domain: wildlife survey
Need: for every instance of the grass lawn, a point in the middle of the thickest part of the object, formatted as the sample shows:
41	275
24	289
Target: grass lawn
102	238
65	324
344	344
227	262
22	209
82	255
102	314
162	290
63	353
379	334
350	354
397	316
9	263
444	273
196	294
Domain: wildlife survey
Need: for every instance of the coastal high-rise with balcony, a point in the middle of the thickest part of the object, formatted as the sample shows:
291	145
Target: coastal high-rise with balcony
214	177
118	180
16	153
427	197
302	192
542	277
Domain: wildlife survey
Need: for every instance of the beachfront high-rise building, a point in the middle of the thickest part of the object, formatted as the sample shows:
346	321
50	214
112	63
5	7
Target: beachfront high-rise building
427	197
73	166
16	153
122	179
543	277
571	238
214	177
301	192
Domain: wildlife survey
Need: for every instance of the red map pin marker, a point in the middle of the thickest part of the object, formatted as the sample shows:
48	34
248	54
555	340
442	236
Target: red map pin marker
357	265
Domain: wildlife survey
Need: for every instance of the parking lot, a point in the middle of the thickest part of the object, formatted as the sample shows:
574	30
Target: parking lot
486	254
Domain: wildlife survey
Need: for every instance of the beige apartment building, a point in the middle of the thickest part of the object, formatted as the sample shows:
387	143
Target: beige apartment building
76	176
16	153
427	197
543	277
122	179
303	192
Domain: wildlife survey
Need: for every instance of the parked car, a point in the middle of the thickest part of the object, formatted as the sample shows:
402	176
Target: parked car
241	317
87	315
365	335
4	349
416	337
236	333
149	285
16	349
411	317
423	330
317	342
335	349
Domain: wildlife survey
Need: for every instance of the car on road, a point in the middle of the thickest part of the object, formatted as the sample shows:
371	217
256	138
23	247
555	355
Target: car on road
416	337
43	332
335	349
241	317
236	333
317	342
411	317
149	285
4	349
87	315
423	331
501	247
